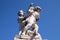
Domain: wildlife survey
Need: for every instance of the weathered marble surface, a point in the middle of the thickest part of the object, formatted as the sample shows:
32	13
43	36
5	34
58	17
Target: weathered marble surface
26	37
25	33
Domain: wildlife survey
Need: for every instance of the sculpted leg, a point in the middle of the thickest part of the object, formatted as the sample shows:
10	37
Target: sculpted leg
26	28
35	28
21	29
20	32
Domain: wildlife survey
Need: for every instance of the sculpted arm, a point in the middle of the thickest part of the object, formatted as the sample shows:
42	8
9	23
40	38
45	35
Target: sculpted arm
25	20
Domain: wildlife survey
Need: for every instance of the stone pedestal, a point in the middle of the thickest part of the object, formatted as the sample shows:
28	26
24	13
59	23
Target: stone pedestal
26	37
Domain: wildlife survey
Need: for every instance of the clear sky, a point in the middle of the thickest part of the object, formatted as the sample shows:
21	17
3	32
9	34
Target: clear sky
49	23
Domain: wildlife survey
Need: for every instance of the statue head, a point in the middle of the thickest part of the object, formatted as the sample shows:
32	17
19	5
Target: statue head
37	8
31	10
20	16
21	13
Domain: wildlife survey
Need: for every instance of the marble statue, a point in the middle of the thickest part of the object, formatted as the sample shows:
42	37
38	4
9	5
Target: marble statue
20	19
29	22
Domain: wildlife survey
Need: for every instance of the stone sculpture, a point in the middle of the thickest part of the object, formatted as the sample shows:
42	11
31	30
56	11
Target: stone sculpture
28	22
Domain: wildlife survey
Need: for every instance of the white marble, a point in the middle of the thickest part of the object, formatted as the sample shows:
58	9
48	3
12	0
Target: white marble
29	22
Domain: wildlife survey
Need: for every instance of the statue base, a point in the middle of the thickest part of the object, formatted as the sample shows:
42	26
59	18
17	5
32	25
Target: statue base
26	37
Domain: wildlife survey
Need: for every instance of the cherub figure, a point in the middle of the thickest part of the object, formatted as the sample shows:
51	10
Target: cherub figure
33	16
20	19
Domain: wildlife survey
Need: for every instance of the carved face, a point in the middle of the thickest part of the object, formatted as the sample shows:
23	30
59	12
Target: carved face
20	13
37	8
31	10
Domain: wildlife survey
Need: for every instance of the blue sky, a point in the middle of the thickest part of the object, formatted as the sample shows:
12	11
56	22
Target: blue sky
49	23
